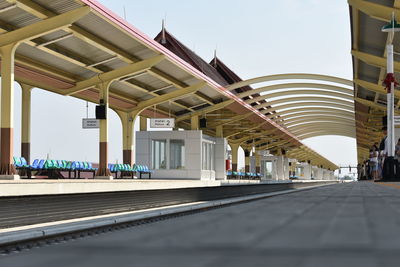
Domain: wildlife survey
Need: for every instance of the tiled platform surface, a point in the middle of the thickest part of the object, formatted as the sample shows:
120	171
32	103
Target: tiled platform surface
70	186
351	224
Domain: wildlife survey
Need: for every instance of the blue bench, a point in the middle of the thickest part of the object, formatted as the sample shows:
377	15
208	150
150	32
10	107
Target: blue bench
123	169
52	168
142	169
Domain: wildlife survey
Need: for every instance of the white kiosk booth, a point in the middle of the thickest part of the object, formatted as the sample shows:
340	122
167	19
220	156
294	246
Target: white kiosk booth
272	167
182	154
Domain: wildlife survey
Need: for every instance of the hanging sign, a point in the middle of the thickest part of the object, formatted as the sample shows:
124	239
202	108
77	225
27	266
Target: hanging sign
263	152
90	123
396	120
162	122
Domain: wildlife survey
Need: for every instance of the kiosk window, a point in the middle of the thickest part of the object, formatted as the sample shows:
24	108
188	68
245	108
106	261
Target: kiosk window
159	154
177	154
207	156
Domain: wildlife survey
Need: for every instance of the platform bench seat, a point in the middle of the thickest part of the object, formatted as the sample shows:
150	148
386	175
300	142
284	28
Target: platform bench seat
77	167
123	169
142	169
25	169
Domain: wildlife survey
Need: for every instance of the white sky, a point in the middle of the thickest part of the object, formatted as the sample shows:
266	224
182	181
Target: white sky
253	37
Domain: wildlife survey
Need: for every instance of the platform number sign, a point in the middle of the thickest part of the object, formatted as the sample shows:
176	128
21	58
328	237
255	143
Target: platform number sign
90	123
397	120
162	122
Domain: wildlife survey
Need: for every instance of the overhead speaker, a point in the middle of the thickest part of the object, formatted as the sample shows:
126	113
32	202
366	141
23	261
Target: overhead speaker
203	123
384	120
101	112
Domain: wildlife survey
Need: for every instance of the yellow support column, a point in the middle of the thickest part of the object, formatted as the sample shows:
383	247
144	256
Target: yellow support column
234	150
128	136
219	131
26	122
194	122
7	169
103	171
258	162
143	123
246	160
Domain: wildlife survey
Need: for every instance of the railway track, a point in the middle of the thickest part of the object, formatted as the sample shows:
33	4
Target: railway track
22	211
27	210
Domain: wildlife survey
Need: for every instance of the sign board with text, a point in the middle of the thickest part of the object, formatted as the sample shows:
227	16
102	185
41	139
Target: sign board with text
396	120
162	122
90	123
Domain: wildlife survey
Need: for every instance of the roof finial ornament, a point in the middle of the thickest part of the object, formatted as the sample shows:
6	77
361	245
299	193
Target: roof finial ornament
163	39
215	55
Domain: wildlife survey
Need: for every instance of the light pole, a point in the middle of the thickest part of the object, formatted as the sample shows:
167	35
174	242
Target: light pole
390	83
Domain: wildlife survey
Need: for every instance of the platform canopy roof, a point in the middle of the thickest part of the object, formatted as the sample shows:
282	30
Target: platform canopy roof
80	44
369	68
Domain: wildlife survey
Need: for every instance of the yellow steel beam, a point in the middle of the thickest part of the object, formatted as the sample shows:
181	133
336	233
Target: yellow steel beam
206	110
305	98
323	88
273	144
315	114
309	110
232	119
326	132
169	96
373	60
115	74
230	134
177	83
43	27
308	104
40	12
290	76
300	92
373	104
315	127
292	122
374	87
250	137
376	11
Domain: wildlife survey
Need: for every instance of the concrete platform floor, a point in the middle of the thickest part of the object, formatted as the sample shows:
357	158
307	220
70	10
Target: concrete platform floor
30	187
350	224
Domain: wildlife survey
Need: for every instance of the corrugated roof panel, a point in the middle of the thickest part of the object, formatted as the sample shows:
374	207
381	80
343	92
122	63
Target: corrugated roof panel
85	50
53	61
128	90
192	100
388	3
58	6
52	36
106	31
170	107
115	63
4	4
151	81
18	18
175	72
371	41
368	72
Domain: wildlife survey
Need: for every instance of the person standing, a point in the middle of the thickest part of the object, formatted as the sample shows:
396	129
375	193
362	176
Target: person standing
382	152
397	150
373	161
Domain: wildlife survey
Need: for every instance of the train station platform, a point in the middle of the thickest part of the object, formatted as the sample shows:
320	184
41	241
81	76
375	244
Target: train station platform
11	188
347	224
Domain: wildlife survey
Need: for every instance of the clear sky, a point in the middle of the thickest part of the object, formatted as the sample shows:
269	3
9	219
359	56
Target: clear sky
253	37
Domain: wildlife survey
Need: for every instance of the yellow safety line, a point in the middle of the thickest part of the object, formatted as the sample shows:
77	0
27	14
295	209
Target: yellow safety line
391	185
